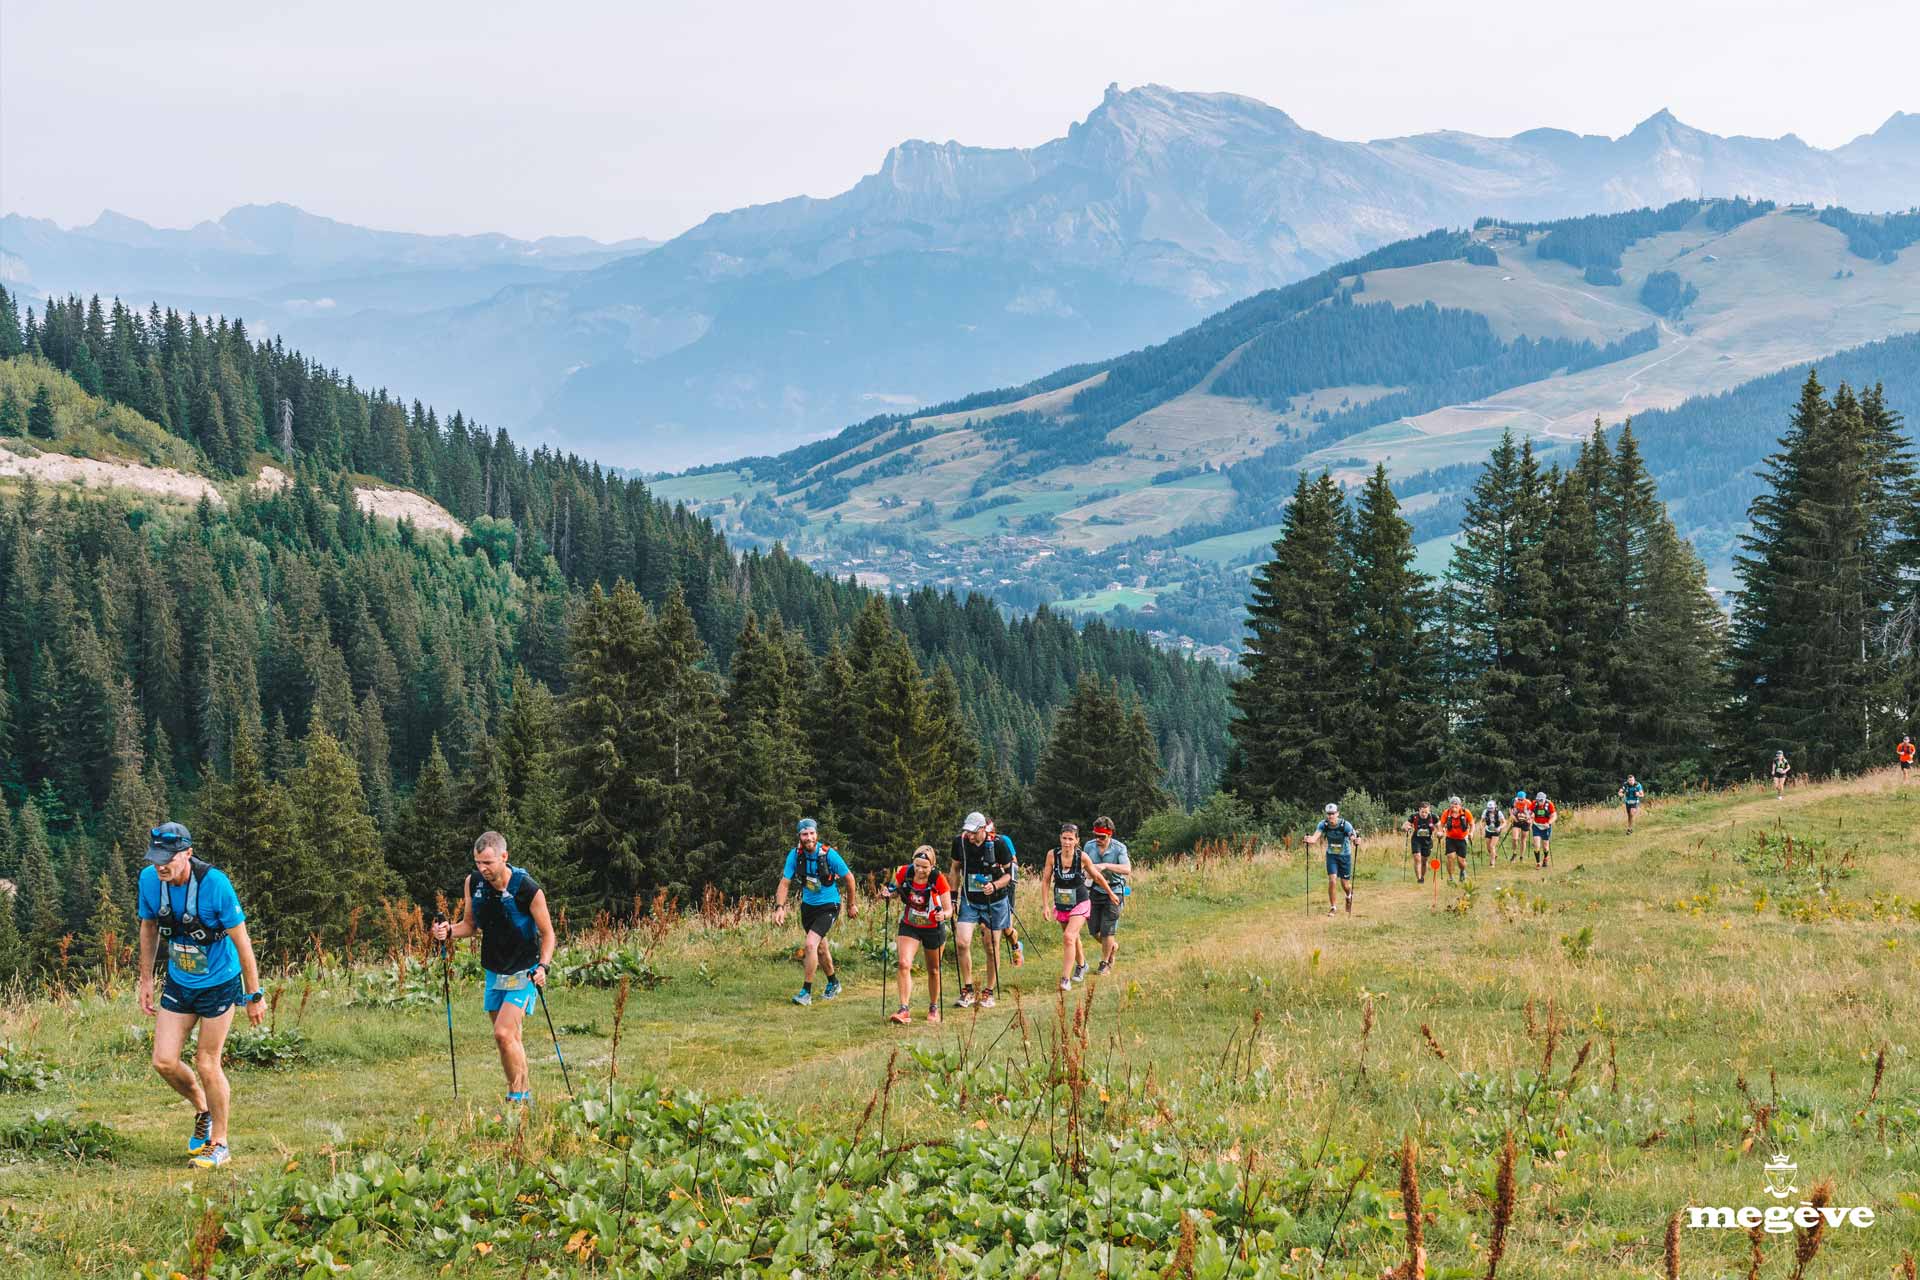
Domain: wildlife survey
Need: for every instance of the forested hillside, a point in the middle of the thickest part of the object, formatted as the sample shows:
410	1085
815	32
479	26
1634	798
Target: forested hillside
326	695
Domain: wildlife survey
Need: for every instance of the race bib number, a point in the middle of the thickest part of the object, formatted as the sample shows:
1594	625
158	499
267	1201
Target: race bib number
188	958
510	981
978	881
919	919
1066	898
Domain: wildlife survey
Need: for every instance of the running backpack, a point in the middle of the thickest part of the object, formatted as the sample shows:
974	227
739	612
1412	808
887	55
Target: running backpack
1070	887
190	927
920	908
817	870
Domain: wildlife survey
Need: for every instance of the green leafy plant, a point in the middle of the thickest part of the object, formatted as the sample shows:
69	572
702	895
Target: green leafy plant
1578	946
21	1072
44	1135
264	1047
604	967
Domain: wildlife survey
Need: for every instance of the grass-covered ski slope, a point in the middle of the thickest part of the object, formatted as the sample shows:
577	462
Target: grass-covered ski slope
1706	993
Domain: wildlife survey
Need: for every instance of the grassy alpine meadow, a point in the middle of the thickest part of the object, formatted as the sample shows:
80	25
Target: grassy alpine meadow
1545	1068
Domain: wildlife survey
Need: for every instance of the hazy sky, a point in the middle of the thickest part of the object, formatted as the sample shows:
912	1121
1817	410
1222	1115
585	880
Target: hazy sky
625	119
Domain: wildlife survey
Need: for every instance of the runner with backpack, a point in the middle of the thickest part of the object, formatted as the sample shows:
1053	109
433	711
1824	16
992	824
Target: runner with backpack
1342	841
1780	771
1493	824
1457	824
190	909
983	868
1904	754
1544	813
825	875
1070	877
926	901
1522	824
1421	823
1632	793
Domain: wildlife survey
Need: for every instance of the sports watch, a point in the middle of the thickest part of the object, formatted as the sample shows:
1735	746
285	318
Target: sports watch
253	997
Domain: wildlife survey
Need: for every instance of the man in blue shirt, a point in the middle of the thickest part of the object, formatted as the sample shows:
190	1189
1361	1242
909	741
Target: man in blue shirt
1110	860
1632	793
191	908
1341	840
506	906
824	873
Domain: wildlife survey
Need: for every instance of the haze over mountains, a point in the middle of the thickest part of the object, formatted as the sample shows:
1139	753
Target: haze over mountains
949	269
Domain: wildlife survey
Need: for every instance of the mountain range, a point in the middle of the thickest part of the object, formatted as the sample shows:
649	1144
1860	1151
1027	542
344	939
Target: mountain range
949	268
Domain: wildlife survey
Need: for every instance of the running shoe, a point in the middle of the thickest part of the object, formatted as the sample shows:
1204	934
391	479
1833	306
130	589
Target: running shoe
1066	984
986	998
522	1098
1332	912
1079	973
966	997
1105	967
202	1132
803	996
900	1016
933	1013
213	1157
832	989
1019	953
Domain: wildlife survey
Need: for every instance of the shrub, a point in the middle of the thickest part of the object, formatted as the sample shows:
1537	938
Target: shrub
44	1134
21	1072
261	1047
1365	812
1221	816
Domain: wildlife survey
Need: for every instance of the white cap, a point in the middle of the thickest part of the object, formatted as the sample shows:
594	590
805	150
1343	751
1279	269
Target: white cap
974	821
1453	800
1333	808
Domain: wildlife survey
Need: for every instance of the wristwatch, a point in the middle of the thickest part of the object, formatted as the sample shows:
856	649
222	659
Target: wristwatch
253	997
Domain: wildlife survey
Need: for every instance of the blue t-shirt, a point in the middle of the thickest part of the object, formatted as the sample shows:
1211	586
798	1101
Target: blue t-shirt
813	891
1337	834
216	906
1633	791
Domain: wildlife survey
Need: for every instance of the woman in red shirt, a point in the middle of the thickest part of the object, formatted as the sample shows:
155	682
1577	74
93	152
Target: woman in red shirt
926	900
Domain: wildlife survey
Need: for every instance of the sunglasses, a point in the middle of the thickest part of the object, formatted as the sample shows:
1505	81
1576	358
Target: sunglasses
167	839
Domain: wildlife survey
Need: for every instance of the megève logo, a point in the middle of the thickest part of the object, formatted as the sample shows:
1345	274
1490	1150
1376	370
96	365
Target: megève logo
1778	1218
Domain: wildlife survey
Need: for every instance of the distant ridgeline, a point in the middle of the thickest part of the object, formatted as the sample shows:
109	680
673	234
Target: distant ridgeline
146	647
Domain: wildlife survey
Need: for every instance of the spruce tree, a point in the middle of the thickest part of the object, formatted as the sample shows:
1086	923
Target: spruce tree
612	643
1400	714
426	844
40	415
249	830
1298	700
336	832
14	963
37	905
1575	746
765	760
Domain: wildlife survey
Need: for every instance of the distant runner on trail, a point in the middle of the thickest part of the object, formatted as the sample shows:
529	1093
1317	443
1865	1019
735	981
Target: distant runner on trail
1011	937
824	874
1341	840
1457	823
1543	816
1111	861
1421	823
1632	793
1522	824
1904	753
1780	771
1493	825
506	906
190	908
926	900
1070	876
983	868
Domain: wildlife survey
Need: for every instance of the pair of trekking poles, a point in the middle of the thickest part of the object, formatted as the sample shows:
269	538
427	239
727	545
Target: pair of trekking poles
446	991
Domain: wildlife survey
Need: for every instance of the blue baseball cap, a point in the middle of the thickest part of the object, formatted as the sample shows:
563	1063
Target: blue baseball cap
808	824
168	840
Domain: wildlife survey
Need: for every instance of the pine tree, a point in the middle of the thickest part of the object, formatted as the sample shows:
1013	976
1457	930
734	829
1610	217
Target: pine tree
13	949
40	416
1298	699
765	760
426	843
37	906
1101	758
1399	731
249	830
612	646
1575	747
13	414
338	834
107	936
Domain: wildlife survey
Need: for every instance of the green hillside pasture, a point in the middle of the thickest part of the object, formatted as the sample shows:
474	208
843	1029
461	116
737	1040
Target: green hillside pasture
1650	1020
86	426
1147	510
714	486
1235	548
1113	598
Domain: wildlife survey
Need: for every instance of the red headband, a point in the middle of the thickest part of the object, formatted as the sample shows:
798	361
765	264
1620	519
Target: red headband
1103	831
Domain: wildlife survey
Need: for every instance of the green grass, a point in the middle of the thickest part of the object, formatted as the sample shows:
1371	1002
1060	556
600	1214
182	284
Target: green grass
1670	965
86	426
707	487
1113	598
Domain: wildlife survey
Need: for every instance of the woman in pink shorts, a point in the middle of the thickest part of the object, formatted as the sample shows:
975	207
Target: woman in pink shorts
1070	877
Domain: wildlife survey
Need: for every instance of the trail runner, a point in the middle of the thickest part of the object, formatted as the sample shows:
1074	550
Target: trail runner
1780	771
1457	824
983	869
926	900
1522	824
1544	813
1070	877
1421	823
1493	825
1111	860
191	908
1341	840
1631	795
506	906
1904	754
824	874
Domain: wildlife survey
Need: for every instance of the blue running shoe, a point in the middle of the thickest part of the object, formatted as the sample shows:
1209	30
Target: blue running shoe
202	1132
803	996
213	1157
833	989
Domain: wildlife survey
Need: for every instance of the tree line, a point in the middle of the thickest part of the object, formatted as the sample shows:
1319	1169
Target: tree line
1573	638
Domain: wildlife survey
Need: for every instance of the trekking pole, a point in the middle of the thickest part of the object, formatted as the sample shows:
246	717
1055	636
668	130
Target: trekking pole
886	930
1306	874
542	993
446	991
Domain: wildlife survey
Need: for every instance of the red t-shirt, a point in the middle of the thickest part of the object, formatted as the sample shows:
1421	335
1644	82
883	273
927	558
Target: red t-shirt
1543	814
1905	752
1458	822
1523	811
920	903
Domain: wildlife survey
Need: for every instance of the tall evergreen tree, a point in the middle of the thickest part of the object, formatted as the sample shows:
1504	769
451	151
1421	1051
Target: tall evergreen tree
38	906
1298	700
333	825
426	843
40	416
1399	731
249	830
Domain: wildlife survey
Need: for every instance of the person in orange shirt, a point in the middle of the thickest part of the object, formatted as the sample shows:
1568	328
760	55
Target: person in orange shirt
1522	823
1905	753
1544	813
1456	823
926	903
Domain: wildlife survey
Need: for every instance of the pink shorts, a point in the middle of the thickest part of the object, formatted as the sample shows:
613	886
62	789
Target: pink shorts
1083	910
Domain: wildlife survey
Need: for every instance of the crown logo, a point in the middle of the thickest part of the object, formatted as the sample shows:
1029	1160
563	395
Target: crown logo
1780	1171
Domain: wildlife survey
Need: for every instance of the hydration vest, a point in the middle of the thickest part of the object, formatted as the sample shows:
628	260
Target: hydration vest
1459	823
1070	887
1338	834
1543	814
1423	825
816	869
189	926
968	873
504	947
920	906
